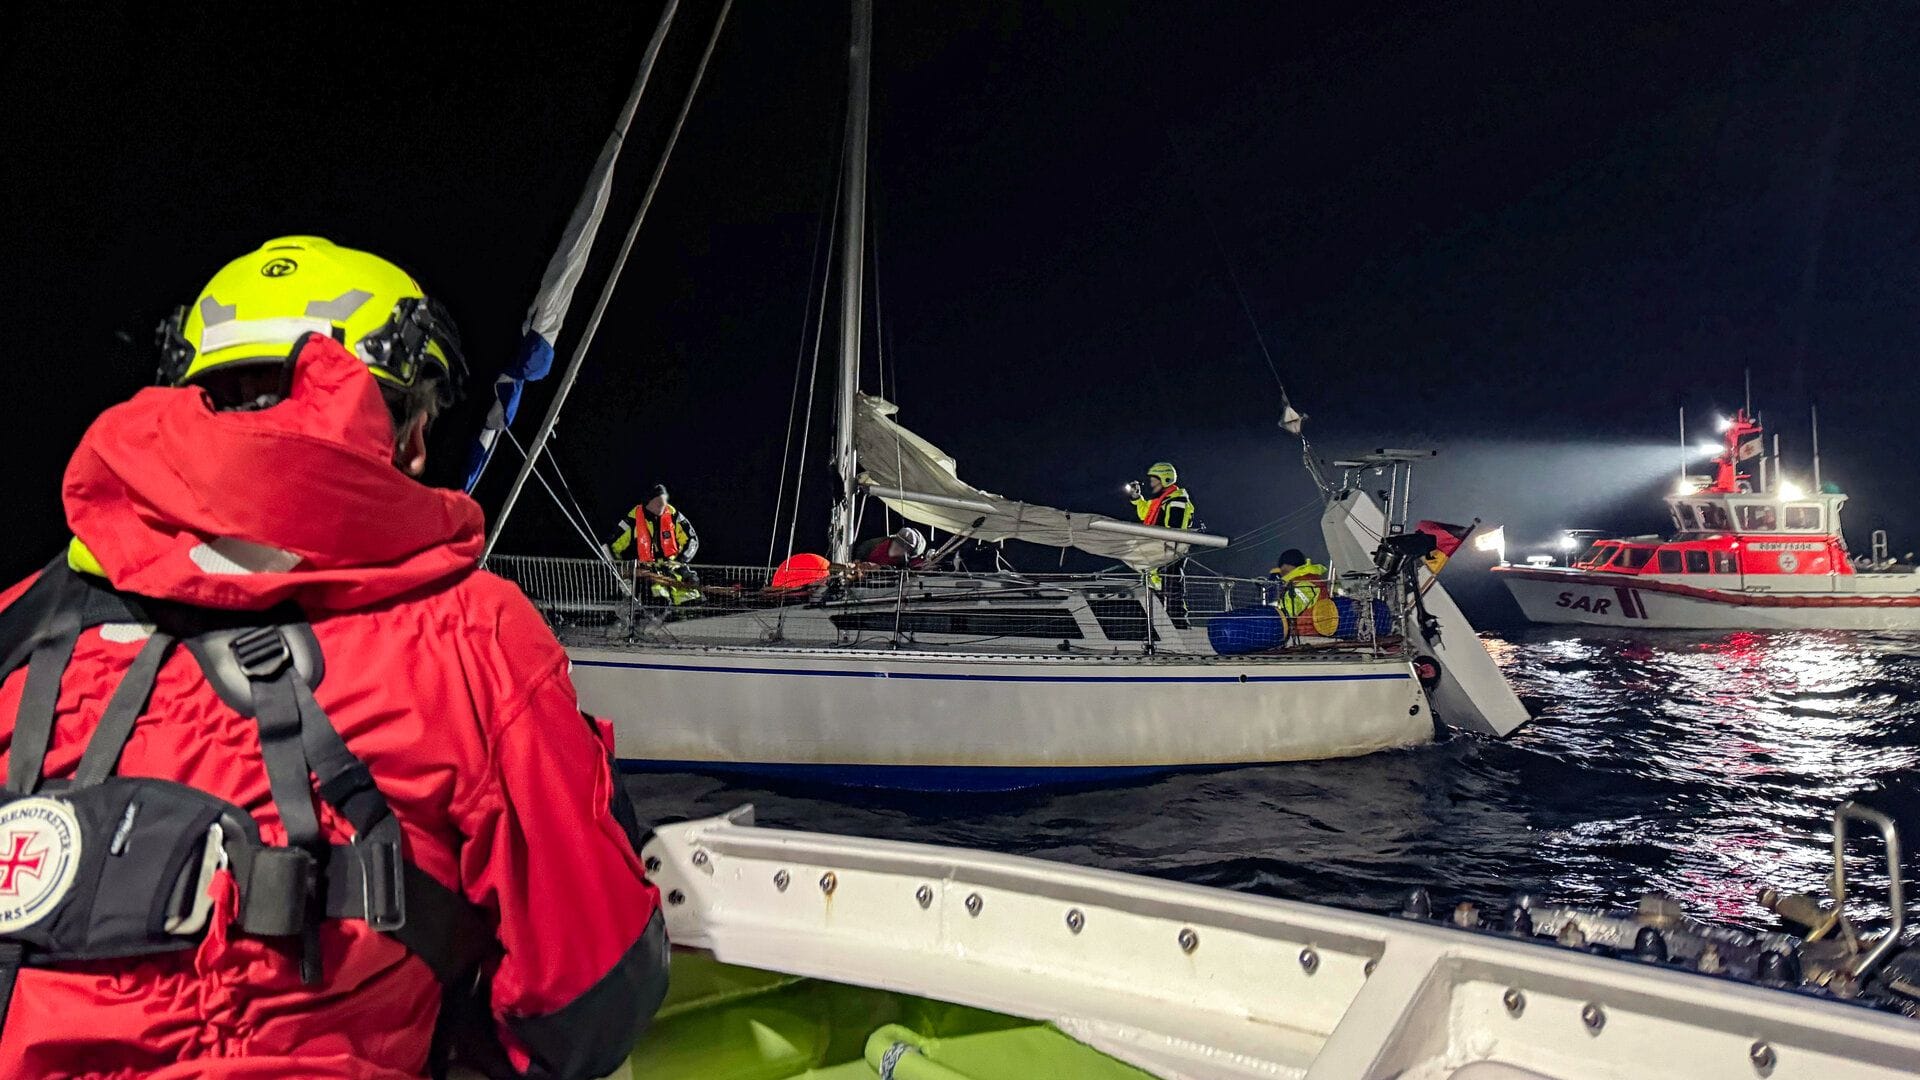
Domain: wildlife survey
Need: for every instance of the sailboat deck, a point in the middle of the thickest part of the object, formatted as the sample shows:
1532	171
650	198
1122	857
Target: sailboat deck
1027	618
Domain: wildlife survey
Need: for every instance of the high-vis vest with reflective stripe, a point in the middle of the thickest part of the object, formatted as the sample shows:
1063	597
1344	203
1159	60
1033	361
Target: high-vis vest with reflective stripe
1172	501
643	541
1301	588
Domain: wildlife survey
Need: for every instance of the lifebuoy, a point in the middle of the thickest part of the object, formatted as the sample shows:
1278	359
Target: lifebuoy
1427	670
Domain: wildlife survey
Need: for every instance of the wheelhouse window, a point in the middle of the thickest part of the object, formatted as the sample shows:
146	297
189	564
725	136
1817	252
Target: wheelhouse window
1723	563
1758	517
1698	562
1633	558
1802	516
1713	517
1596	556
1684	516
1669	561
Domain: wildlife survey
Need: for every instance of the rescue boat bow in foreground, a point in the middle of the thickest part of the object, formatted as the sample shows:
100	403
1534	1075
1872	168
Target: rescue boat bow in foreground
818	956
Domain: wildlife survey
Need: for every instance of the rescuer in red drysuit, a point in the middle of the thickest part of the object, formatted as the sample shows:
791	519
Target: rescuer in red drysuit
440	677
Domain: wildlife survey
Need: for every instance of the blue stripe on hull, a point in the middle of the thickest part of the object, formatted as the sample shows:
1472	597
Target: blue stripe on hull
939	676
980	778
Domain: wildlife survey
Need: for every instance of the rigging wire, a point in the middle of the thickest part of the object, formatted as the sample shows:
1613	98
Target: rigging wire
880	362
560	475
829	213
1233	278
813	376
576	242
577	521
1263	533
1291	419
586	535
572	373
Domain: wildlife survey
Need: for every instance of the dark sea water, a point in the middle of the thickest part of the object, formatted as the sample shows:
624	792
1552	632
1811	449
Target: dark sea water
1702	765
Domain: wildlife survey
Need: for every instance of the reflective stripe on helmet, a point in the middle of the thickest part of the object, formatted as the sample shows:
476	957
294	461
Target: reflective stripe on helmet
300	284
340	308
213	312
282	332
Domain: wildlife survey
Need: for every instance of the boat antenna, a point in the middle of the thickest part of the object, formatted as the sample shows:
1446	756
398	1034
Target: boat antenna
1747	373
1684	452
572	374
852	262
1815	411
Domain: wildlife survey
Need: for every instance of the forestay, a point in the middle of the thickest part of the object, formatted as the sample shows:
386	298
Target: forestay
904	464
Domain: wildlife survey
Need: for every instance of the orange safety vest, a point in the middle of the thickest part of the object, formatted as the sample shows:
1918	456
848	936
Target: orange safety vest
1153	506
643	536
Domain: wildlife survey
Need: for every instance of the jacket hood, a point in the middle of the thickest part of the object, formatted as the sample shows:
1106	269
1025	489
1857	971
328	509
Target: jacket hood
300	501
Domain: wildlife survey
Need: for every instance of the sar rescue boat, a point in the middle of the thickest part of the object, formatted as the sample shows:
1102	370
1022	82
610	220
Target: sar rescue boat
1742	557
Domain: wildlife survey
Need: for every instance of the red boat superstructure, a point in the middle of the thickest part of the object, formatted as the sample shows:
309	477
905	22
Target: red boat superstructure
1741	557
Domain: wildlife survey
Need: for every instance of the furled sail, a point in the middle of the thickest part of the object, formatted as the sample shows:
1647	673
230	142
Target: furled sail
921	483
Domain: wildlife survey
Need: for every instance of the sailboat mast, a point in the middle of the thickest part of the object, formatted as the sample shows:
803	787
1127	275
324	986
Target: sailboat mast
853	260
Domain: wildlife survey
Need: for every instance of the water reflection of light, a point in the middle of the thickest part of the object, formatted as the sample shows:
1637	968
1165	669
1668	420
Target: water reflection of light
1722	758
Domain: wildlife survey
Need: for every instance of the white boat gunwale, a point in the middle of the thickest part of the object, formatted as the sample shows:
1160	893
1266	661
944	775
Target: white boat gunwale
1381	997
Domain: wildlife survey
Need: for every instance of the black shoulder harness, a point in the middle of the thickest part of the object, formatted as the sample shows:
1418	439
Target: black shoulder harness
143	851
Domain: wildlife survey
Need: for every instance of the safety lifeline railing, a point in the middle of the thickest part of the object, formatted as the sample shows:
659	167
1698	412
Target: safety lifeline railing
588	602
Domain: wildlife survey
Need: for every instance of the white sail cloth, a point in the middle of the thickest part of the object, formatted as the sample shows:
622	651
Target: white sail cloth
891	457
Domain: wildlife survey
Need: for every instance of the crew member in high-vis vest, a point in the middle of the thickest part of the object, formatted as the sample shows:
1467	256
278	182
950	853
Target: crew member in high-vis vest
1297	583
1166	504
662	542
294	787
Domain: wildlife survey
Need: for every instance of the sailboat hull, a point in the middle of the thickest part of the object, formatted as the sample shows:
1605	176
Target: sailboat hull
932	721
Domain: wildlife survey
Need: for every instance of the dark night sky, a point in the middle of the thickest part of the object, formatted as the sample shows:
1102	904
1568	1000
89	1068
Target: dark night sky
1525	236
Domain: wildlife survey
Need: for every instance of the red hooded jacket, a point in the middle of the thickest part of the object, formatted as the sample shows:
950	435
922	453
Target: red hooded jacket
441	677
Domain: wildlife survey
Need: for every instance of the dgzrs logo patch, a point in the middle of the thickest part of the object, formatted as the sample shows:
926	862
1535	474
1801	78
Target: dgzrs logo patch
39	857
279	267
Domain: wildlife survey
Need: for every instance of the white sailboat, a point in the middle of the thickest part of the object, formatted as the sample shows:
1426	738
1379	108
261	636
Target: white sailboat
999	679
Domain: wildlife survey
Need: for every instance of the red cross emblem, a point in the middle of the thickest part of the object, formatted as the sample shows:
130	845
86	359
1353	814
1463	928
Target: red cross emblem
16	862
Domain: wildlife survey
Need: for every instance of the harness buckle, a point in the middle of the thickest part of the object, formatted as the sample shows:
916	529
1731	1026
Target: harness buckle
383	891
199	886
262	652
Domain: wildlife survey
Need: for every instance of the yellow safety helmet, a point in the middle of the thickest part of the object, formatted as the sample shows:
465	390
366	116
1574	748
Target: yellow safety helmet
1166	473
258	305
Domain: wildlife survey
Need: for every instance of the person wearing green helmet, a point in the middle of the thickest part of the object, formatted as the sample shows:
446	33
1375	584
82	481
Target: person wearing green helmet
340	812
1163	502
